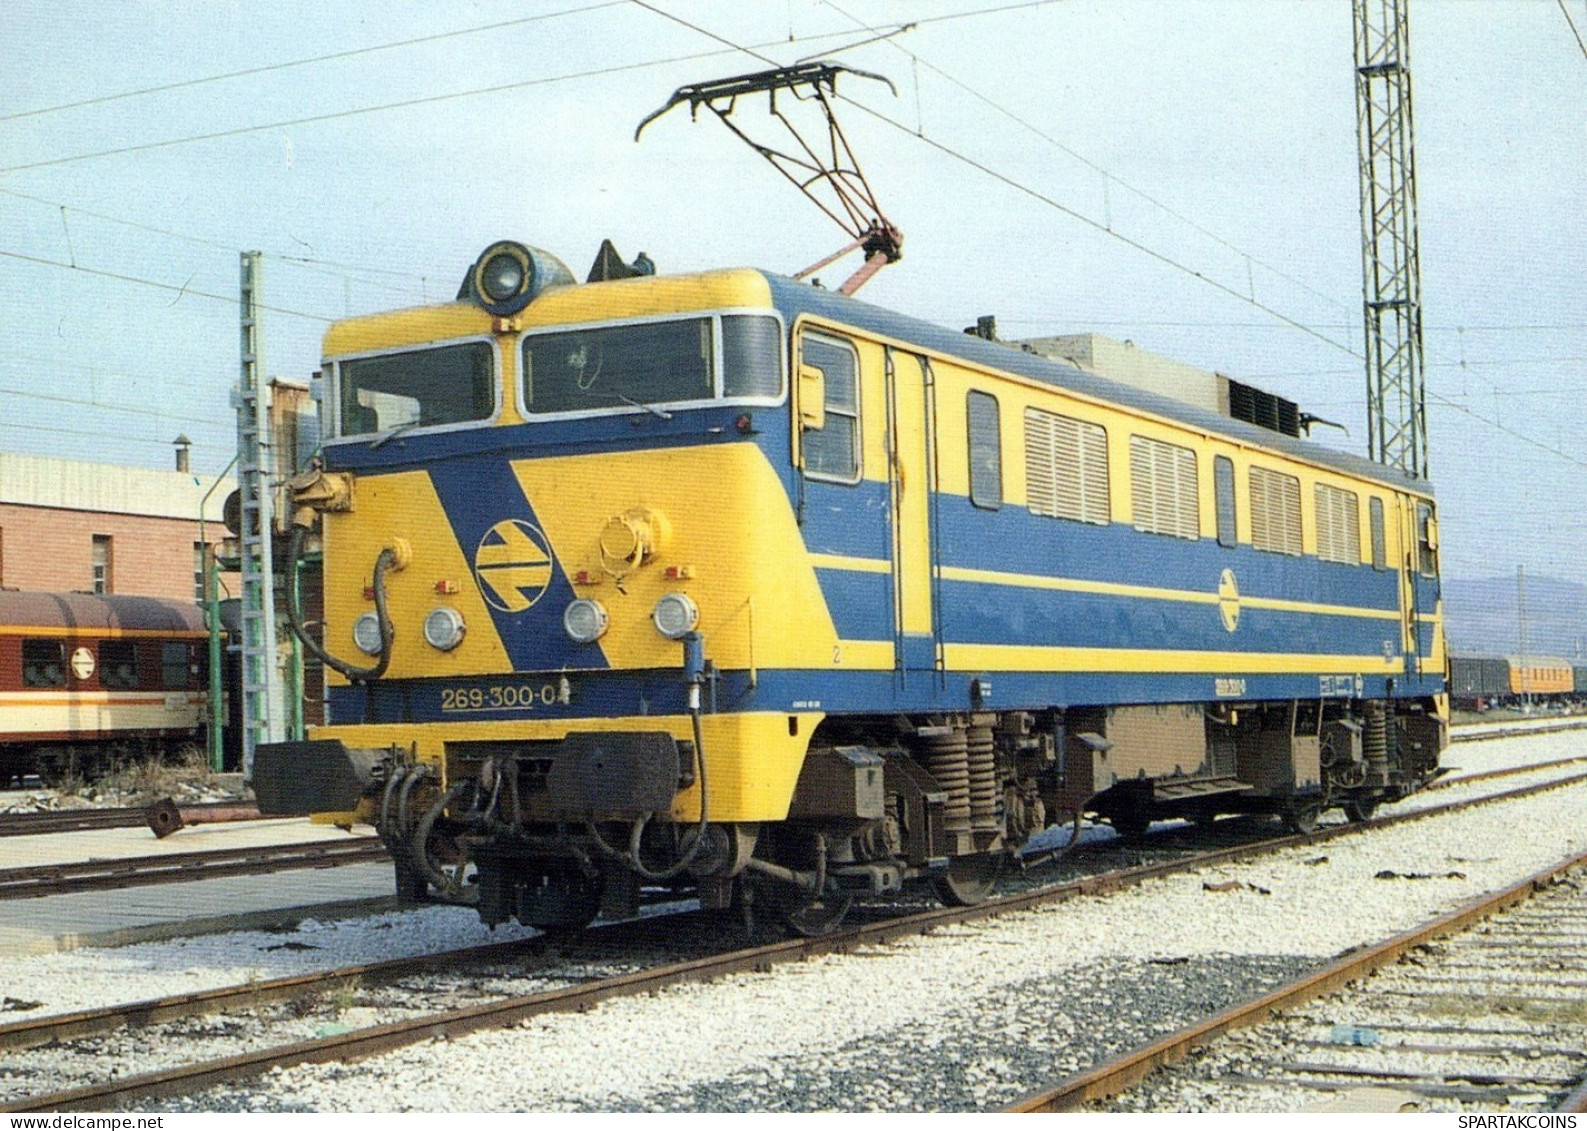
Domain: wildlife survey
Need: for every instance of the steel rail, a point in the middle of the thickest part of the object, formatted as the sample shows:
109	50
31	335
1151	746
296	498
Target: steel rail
1505	772
508	1011
32	1032
1576	1101
1460	733
1114	1077
184	867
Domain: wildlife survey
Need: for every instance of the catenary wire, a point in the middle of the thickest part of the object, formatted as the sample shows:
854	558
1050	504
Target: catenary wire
335	56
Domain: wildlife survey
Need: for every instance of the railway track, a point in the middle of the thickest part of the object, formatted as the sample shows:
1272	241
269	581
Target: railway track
1457	1026
1478	732
184	867
505	1012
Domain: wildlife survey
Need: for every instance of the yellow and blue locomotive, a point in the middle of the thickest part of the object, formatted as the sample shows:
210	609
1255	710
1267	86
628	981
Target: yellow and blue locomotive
727	583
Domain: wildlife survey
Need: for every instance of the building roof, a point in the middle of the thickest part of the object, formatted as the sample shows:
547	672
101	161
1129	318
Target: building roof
63	484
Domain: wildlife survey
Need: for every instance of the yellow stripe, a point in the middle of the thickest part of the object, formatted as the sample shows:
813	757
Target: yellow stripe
102	633
1034	658
857	565
67	698
1150	593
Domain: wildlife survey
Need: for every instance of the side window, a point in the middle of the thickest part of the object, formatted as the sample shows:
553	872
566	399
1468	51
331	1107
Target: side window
43	663
1275	511
1223	487
833	450
1380	551
1163	488
1426	541
1338	524
751	356
118	664
986	450
1066	468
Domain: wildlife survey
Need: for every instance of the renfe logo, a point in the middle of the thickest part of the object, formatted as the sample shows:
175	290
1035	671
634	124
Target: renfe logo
513	565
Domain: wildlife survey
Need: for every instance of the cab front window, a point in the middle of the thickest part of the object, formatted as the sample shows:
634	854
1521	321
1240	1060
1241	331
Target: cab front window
638	365
452	384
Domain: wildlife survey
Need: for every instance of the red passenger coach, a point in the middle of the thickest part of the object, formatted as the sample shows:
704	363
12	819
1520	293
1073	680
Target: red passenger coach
88	681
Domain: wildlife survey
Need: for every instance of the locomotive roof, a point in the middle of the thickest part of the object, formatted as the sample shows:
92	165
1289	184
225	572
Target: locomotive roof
658	294
91	612
793	297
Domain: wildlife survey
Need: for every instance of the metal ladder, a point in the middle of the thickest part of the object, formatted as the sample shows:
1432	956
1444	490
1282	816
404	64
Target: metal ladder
261	675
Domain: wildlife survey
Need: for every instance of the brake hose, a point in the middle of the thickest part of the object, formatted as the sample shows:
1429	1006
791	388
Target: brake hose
631	857
295	619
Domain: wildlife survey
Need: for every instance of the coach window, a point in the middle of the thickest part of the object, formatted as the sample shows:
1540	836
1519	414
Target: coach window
832	451
118	664
986	451
1223	488
43	663
176	665
1380	555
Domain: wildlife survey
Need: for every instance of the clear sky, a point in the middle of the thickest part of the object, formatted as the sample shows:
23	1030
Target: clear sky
1168	171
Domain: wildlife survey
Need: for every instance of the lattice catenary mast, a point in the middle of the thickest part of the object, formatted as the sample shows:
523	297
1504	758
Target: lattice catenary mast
1390	263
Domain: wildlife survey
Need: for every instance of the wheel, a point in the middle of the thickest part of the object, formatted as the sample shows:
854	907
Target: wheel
819	916
1131	824
1202	818
804	916
1300	815
1361	810
57	768
970	879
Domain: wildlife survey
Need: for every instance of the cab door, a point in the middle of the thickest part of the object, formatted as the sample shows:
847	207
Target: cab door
1419	591
912	493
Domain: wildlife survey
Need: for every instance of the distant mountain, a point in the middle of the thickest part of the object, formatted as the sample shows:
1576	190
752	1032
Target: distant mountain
1482	616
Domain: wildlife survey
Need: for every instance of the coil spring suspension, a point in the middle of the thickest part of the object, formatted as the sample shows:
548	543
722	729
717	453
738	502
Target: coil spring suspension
985	795
1375	740
947	756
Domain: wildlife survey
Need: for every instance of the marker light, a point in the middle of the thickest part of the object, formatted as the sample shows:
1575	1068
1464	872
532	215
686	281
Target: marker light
585	621
675	616
366	634
444	628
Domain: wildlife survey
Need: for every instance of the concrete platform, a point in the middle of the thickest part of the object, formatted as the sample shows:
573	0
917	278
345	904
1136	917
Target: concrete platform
158	911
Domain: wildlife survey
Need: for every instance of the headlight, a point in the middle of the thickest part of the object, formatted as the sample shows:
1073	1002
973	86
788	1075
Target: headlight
675	616
366	634
444	628
584	620
501	277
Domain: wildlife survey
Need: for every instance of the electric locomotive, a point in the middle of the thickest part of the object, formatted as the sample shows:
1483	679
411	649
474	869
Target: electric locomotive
726	583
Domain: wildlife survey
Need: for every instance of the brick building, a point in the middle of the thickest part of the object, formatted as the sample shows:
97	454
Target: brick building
67	526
